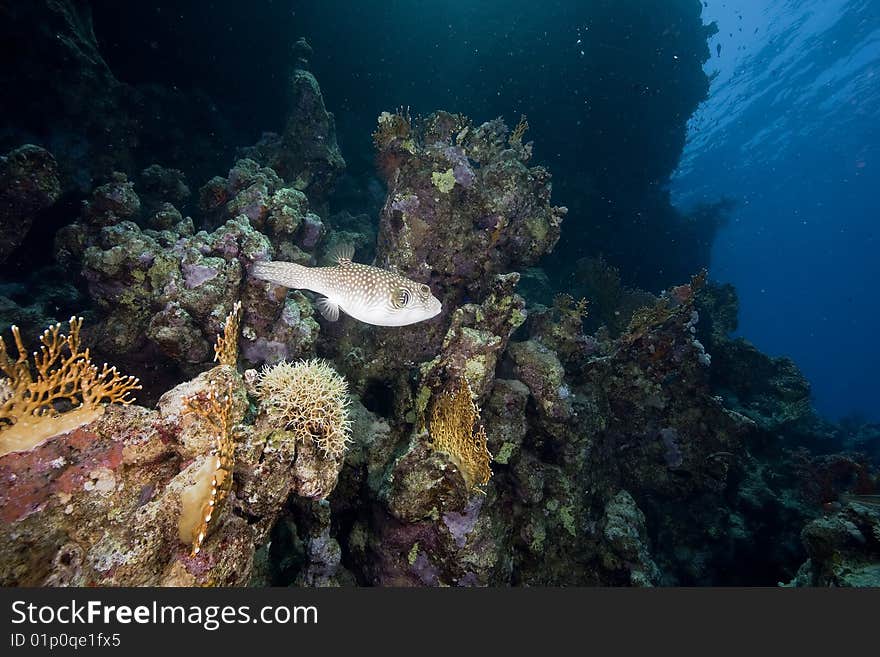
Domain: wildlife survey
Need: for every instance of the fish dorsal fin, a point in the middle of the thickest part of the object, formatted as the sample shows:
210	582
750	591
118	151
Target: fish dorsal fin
341	254
328	309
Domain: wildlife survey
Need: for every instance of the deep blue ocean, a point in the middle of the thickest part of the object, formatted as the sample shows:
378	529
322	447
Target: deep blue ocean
791	132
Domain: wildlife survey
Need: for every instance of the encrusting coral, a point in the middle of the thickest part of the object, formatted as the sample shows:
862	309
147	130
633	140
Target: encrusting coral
33	409
463	205
456	430
309	398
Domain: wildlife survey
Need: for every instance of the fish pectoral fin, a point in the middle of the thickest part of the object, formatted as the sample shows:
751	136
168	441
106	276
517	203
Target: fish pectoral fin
341	253
328	309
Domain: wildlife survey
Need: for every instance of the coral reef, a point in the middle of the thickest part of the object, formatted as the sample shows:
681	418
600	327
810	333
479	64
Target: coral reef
128	498
476	338
97	506
612	304
843	549
280	212
631	440
162	191
166	293
625	537
604	436
462	203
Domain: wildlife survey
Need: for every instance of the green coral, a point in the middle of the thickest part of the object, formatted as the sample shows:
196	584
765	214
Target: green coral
504	454
422	400
538	536
566	517
444	181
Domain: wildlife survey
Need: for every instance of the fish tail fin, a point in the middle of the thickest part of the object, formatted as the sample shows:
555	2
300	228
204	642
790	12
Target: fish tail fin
288	274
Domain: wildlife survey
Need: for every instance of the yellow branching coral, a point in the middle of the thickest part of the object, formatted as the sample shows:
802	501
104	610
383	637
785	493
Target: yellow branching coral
226	347
392	127
517	135
671	303
567	305
67	392
201	502
455	429
310	399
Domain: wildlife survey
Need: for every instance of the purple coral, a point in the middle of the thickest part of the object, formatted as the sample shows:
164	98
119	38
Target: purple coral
196	275
461	168
462	524
673	455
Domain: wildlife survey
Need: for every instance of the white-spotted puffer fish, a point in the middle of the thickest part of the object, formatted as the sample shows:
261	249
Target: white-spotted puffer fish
369	294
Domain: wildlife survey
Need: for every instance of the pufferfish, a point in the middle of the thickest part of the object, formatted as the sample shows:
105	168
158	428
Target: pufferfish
369	294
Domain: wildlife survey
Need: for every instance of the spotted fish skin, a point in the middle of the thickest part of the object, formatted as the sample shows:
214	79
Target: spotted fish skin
369	294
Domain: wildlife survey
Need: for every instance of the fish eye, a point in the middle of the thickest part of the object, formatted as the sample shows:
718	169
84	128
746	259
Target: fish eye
424	291
401	298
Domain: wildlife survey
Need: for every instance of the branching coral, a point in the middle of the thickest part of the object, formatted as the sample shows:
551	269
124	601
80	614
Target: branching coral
517	135
226	347
309	398
393	127
68	390
456	430
566	305
201	502
672	302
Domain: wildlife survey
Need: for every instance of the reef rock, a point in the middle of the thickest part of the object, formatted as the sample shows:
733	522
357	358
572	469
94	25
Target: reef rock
843	549
101	505
166	293
462	203
160	186
95	507
305	154
28	185
280	212
625	538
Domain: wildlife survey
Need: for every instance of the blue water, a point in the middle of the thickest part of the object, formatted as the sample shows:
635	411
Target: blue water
791	130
